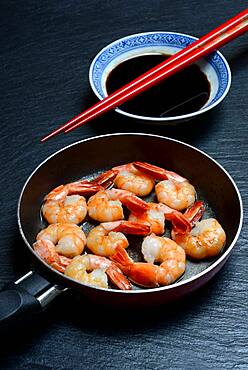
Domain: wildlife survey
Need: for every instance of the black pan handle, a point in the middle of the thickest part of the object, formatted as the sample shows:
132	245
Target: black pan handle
30	294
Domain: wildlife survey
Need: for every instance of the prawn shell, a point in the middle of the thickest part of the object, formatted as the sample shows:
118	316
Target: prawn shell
103	242
103	209
133	180
68	239
177	195
205	240
72	209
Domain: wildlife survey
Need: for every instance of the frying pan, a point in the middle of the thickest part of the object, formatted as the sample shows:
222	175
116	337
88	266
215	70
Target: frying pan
86	159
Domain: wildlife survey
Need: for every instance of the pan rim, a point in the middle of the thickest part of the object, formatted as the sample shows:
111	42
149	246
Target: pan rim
224	256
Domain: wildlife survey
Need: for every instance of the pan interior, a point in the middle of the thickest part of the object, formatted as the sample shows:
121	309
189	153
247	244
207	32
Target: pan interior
88	159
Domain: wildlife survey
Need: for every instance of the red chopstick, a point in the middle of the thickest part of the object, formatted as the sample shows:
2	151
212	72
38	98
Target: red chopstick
221	35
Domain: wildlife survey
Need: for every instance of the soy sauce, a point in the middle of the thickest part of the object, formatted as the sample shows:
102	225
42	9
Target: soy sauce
185	92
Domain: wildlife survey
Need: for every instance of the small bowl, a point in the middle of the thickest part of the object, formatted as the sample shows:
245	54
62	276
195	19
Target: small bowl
214	66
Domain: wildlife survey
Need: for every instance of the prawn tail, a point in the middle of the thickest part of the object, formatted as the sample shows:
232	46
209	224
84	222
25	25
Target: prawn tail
121	257
156	172
127	227
64	262
45	249
57	194
195	212
135	228
127	167
180	223
84	187
106	179
116	276
58	267
144	274
135	204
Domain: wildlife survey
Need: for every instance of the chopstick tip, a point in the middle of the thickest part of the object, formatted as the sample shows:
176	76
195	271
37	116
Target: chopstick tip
53	133
47	137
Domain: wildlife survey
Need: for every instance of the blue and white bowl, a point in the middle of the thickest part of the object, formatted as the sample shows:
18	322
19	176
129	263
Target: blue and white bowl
214	66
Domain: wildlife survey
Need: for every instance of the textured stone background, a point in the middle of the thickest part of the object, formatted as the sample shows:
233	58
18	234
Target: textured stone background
46	50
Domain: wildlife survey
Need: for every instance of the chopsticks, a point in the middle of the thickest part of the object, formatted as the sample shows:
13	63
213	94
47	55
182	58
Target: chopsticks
221	35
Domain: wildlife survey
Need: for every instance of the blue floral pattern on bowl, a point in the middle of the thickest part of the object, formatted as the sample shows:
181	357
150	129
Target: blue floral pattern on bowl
157	39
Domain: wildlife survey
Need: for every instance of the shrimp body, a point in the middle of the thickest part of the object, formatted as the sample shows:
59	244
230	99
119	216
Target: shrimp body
95	271
66	203
101	207
105	238
174	190
153	217
106	205
205	240
103	243
131	179
46	250
154	248
72	209
177	195
156	215
68	239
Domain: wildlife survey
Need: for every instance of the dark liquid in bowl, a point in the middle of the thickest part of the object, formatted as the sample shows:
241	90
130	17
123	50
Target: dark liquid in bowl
185	92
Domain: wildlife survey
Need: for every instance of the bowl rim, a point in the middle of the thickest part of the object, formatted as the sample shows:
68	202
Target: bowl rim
161	119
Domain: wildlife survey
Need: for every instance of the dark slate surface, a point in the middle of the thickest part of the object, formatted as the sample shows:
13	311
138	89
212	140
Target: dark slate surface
46	49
